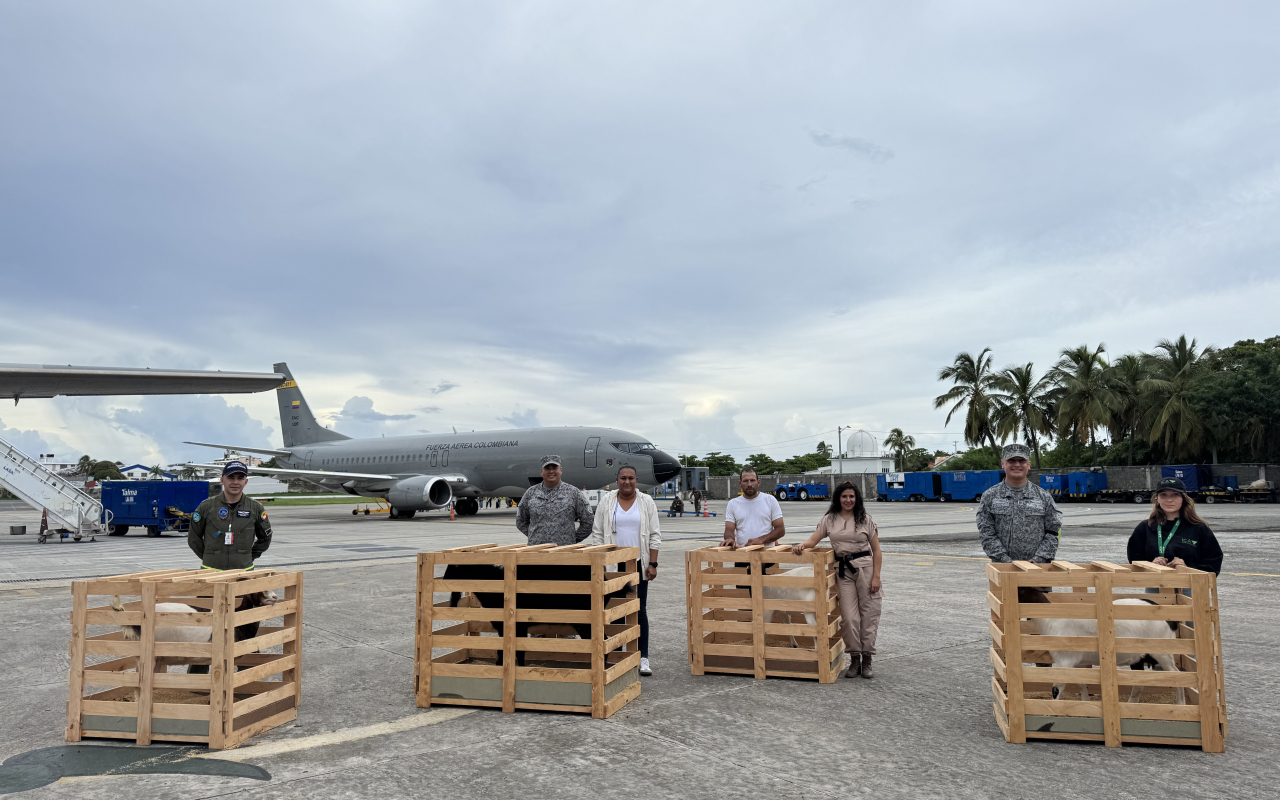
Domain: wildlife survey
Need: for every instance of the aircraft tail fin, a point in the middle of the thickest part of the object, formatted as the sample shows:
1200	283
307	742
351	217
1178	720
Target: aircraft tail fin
297	424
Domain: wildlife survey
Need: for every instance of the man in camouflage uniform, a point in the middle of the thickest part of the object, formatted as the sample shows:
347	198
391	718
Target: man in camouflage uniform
1017	520
554	512
229	530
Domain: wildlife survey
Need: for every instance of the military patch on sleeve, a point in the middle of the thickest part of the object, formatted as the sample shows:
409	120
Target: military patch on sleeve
196	516
264	516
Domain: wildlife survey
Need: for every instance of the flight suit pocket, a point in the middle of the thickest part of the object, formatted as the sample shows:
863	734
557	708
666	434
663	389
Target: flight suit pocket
1001	506
1033	507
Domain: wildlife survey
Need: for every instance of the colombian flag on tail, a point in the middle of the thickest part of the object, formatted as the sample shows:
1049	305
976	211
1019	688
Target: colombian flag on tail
295	404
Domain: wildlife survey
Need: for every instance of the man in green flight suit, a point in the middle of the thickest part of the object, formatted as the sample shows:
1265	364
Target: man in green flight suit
229	530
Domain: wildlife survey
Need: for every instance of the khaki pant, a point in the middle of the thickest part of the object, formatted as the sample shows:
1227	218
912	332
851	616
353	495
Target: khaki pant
859	610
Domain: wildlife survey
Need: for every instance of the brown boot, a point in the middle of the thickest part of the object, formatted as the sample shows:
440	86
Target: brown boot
855	665
866	666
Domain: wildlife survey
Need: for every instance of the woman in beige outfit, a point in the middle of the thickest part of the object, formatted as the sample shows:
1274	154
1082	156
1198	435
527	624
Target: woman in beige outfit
856	542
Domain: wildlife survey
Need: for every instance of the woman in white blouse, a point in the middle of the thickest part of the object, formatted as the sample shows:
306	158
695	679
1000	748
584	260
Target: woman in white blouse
629	518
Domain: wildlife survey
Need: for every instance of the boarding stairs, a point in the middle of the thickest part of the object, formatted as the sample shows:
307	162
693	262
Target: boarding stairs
43	489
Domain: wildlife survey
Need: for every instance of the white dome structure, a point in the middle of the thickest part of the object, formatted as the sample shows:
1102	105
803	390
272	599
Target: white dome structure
861	445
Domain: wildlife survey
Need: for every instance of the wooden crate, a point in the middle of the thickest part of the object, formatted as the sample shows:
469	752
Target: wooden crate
594	676
129	699
1091	590
728	631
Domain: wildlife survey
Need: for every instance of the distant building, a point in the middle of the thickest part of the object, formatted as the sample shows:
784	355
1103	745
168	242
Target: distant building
50	462
141	472
848	465
229	455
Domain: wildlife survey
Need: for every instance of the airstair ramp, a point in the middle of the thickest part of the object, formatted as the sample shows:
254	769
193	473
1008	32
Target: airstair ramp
45	490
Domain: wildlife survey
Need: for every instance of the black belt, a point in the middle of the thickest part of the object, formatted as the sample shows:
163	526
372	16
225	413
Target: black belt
843	560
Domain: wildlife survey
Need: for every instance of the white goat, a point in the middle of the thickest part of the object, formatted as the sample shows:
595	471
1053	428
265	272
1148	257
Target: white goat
1124	628
805	594
193	633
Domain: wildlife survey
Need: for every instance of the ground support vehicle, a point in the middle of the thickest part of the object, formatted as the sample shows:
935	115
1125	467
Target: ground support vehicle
801	491
158	506
1085	486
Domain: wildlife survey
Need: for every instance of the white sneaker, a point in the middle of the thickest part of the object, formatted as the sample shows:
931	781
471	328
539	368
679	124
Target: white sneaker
644	667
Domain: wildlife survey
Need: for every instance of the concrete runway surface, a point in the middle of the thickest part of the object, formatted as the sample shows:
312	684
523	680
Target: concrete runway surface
922	728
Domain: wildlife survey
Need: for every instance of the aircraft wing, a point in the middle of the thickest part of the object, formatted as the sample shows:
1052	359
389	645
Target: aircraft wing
310	473
50	380
239	449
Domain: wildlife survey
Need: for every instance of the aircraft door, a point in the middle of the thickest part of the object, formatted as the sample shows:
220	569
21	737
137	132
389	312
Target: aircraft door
589	455
306	464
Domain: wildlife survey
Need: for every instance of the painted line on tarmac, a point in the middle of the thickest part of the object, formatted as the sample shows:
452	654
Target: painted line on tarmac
410	723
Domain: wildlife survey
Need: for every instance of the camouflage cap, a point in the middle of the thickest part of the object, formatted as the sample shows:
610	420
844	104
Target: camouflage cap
1016	450
550	460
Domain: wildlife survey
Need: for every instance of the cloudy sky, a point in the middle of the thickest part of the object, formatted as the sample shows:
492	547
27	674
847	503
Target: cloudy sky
726	226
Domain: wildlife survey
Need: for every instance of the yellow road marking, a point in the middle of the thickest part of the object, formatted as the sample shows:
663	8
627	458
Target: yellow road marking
924	563
338	737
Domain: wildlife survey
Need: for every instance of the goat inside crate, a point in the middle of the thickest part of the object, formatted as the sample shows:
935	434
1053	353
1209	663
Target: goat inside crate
1069	640
206	623
777	616
506	605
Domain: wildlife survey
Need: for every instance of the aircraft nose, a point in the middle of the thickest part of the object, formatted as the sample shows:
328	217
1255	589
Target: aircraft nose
665	467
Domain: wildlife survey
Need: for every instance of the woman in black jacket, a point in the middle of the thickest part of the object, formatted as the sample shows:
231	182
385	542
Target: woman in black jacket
1174	535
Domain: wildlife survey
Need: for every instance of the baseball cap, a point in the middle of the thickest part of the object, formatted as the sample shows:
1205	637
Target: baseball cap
234	467
549	460
1171	485
1016	451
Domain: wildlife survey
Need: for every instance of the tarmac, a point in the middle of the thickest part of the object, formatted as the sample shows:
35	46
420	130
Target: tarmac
923	727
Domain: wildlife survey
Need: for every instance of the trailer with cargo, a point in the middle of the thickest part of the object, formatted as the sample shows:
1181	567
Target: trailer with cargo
157	506
968	484
1200	482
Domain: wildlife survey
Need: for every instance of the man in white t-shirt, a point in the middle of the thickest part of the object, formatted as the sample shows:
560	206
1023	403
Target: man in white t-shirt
752	518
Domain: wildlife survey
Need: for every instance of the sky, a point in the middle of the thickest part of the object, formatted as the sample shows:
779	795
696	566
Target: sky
724	226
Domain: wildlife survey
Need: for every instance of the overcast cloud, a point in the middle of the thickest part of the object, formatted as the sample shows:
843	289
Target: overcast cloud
716	225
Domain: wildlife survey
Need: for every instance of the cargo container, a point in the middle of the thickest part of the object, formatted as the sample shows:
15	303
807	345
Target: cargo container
968	484
914	486
1055	485
1196	477
802	491
157	506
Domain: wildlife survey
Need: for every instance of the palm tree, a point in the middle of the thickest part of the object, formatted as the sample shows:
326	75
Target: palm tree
1127	375
189	472
84	465
900	444
972	386
1173	420
156	470
1087	400
1024	404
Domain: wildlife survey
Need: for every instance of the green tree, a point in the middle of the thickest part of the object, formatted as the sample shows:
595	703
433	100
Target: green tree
105	471
691	461
1173	418
764	464
1127	375
972	387
917	460
85	465
157	470
1238	390
1086	400
721	464
900	444
188	472
1023	405
823	448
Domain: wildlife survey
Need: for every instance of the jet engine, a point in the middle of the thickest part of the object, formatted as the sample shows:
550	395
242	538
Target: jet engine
420	493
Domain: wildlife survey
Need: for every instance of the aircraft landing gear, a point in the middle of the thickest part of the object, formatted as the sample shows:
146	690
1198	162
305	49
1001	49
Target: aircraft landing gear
466	506
399	513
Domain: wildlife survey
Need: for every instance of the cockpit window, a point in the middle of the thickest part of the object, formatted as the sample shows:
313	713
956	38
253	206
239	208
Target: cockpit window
633	447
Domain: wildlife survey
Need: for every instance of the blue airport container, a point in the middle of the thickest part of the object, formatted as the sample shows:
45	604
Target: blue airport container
1196	477
1084	484
1230	482
909	485
163	505
1055	485
968	484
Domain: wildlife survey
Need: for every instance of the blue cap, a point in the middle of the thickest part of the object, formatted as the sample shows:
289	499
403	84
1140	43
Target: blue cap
234	467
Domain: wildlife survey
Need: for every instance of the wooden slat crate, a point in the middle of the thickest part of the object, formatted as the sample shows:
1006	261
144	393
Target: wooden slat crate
1022	684
596	675
728	628
132	695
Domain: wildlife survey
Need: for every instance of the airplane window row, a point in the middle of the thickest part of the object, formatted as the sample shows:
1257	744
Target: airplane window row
431	457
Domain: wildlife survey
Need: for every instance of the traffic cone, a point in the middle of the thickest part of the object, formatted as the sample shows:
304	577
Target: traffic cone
452	515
